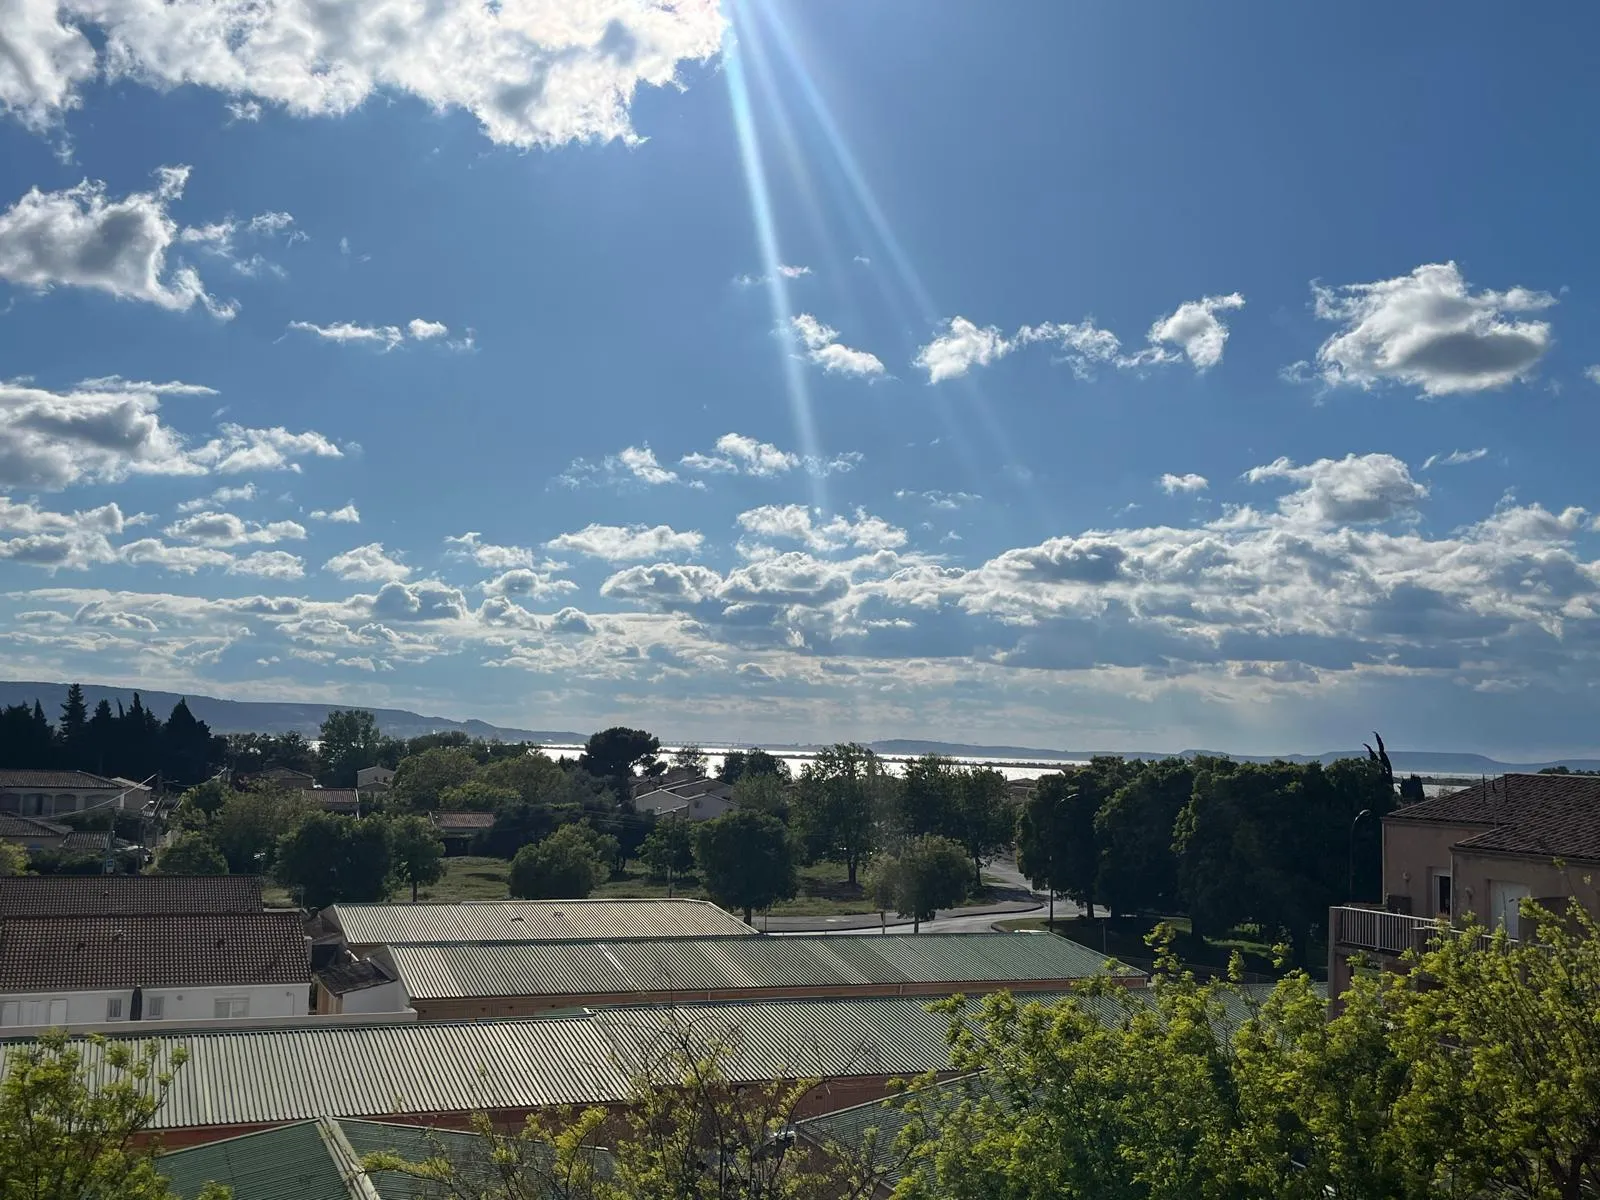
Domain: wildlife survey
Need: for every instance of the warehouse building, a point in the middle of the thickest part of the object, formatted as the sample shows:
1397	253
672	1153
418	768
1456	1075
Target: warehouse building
463	981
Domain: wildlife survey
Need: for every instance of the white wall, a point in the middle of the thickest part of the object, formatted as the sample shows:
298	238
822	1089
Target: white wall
185	1004
385	998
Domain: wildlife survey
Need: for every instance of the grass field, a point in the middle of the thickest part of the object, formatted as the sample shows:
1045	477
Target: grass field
1123	938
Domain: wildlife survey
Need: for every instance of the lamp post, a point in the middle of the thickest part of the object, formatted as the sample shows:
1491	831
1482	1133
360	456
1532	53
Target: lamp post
1350	887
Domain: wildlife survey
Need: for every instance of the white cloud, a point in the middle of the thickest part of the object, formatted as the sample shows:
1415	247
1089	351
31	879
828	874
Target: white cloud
1191	482
617	543
79	238
784	271
1592	374
962	346
524	581
1430	330
425	600
938	499
349	514
533	74
53	540
368	564
738	454
823	348
664	585
223	495
794	522
1196	329
106	430
635	464
348	333
423	330
226	529
1455	458
1355	489
486	554
183	560
243	110
269	564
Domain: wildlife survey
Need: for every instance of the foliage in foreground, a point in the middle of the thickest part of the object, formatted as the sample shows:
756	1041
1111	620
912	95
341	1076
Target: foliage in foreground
1475	1076
71	1132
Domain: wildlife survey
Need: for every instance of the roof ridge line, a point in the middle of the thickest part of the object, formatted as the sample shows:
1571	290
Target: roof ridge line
352	1174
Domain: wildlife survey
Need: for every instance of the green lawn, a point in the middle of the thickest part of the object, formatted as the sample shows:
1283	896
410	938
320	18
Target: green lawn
1123	938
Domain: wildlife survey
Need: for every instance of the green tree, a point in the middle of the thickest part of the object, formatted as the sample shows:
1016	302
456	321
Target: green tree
926	798
1134	829
13	859
189	752
248	825
669	850
349	741
746	861
328	858
843	796
74	1117
929	873
738	764
206	798
983	820
763	793
477	796
75	730
421	780
100	738
1056	842
516	825
690	758
567	865
417	851
191	853
535	777
614	754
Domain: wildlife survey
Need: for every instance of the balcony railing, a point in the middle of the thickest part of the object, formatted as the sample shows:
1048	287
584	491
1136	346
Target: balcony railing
1385	932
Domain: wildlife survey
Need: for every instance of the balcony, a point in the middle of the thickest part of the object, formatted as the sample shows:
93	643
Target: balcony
1382	932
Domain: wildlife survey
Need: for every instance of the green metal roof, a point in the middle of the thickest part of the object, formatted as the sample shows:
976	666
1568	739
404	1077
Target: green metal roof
557	968
529	920
288	1163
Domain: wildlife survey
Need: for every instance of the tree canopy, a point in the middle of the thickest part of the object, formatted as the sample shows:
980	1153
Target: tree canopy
567	865
844	795
746	860
328	858
416	851
191	853
929	873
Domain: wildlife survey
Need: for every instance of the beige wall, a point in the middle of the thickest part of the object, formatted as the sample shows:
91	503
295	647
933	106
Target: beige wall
1412	850
1544	880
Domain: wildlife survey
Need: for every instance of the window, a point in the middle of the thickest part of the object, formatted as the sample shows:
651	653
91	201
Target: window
232	1007
114	1008
1441	892
34	1012
11	1013
155	1007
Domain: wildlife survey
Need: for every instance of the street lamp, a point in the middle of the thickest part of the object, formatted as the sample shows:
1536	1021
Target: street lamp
1350	887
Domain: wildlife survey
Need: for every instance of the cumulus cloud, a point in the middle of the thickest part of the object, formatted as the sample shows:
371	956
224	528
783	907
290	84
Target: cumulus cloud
425	600
1592	374
939	499
1196	331
223	495
617	543
1355	489
79	237
794	522
823	348
53	540
539	73
368	564
1455	458
634	464
226	529
962	346
784	271
105	430
424	331
487	554
269	564
1430	330
526	582
737	454
1191	482
664	585
349	514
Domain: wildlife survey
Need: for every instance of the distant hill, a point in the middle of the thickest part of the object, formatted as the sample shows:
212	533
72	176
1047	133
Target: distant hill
260	716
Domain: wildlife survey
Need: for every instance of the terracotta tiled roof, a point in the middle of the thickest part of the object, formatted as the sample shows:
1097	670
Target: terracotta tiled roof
70	780
1555	816
198	950
12	826
164	895
333	799
463	822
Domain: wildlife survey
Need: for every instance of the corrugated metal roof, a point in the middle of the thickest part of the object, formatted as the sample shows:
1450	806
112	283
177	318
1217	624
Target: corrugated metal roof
288	1163
547	968
525	920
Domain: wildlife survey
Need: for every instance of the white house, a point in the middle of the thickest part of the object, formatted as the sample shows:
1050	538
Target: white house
374	777
694	799
88	970
47	793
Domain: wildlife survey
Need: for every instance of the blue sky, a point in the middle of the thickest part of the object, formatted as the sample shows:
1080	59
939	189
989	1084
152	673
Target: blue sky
1065	375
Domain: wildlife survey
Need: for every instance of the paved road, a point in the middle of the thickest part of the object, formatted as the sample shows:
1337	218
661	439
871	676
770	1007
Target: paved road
1021	901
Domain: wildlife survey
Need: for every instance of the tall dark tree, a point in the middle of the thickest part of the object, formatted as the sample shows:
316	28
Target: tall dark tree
75	730
925	802
328	858
24	742
983	820
350	742
1057	844
100	738
614	754
138	742
746	861
736	764
1138	869
189	753
844	795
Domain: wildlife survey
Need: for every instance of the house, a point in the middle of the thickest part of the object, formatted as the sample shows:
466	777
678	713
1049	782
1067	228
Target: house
32	834
288	777
358	985
458	829
696	798
374	777
335	800
49	793
94	969
671	777
1478	851
133	895
471	981
364	927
